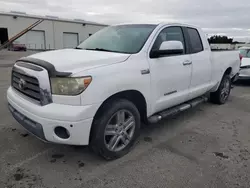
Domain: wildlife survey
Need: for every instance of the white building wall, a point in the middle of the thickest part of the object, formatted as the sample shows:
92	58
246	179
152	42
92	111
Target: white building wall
227	46
222	46
15	26
53	29
237	46
70	40
82	30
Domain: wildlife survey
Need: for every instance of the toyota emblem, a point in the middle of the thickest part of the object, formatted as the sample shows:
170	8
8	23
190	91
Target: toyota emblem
22	84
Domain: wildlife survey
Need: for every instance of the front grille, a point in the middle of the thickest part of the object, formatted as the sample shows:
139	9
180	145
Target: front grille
27	85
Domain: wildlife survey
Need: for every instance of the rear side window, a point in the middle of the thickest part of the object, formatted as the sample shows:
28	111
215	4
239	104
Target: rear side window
195	40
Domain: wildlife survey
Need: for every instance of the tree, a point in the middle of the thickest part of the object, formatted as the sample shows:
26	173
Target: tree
218	39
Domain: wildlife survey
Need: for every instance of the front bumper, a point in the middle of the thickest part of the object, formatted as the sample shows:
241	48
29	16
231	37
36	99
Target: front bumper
42	120
31	126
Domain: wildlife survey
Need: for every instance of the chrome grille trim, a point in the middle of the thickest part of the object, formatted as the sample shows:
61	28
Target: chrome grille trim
37	83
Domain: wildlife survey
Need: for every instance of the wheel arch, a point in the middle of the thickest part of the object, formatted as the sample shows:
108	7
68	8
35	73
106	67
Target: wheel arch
135	96
228	71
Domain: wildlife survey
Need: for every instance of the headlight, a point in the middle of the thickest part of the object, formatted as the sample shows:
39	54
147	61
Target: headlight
70	85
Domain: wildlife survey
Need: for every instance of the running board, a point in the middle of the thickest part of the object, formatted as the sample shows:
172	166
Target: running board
177	109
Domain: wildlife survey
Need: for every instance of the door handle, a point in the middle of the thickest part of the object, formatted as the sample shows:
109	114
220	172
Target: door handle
187	63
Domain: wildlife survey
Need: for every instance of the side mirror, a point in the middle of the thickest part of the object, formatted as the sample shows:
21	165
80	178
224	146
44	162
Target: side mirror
168	48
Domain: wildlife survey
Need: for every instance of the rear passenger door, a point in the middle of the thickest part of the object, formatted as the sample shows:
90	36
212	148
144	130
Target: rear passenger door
201	65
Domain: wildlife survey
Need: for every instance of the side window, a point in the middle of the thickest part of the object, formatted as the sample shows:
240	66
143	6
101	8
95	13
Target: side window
168	34
195	40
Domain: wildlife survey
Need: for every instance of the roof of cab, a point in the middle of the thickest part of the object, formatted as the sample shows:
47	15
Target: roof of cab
158	24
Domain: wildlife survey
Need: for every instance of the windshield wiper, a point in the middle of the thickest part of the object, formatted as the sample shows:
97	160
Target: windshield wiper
99	49
78	48
104	50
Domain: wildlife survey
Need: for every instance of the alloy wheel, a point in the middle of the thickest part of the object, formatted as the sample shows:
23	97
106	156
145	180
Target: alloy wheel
119	130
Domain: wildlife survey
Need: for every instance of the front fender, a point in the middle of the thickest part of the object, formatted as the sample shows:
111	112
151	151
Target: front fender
109	80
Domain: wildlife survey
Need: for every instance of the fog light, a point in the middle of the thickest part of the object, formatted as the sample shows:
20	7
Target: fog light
61	132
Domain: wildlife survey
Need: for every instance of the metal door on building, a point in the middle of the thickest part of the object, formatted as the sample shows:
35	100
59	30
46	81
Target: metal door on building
70	40
35	40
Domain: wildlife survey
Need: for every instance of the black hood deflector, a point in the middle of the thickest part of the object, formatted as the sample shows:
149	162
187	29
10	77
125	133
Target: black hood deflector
48	66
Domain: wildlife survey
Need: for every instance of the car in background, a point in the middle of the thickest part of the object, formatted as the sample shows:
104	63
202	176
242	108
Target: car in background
17	46
245	63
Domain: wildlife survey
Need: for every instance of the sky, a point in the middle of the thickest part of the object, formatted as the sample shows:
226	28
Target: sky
224	17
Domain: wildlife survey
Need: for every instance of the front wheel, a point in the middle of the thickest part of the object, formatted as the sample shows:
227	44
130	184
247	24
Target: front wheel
223	92
116	129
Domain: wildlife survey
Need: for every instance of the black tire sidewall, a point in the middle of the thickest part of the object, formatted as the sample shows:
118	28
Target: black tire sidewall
225	77
99	125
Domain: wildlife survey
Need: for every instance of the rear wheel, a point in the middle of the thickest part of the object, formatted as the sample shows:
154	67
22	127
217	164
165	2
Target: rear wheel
223	92
116	129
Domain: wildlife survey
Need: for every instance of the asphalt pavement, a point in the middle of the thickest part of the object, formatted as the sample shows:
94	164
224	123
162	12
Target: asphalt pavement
208	146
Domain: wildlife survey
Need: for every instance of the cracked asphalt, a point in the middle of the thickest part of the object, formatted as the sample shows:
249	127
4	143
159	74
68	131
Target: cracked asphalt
208	146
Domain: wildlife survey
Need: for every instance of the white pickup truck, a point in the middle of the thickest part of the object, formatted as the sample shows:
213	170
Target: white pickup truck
99	93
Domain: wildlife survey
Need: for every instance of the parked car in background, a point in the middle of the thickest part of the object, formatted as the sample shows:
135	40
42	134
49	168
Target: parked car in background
245	63
98	93
17	46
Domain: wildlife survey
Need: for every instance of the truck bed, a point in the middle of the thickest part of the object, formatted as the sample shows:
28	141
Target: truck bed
222	59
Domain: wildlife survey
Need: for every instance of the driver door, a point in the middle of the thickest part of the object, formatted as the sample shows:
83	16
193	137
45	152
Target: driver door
170	74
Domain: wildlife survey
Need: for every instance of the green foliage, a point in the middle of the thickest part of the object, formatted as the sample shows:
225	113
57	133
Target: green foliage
217	39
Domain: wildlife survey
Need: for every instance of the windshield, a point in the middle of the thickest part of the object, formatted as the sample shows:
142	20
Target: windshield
245	53
122	39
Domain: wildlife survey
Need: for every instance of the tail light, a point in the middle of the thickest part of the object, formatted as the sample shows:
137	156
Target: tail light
240	59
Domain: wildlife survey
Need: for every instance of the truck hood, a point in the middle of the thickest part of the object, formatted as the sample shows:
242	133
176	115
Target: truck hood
75	60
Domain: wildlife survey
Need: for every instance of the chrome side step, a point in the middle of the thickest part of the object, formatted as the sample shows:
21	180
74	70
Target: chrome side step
177	109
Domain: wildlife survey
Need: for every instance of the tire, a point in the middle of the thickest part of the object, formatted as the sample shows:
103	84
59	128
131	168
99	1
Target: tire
105	129
221	95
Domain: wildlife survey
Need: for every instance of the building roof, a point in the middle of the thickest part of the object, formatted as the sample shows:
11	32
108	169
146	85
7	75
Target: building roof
49	17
